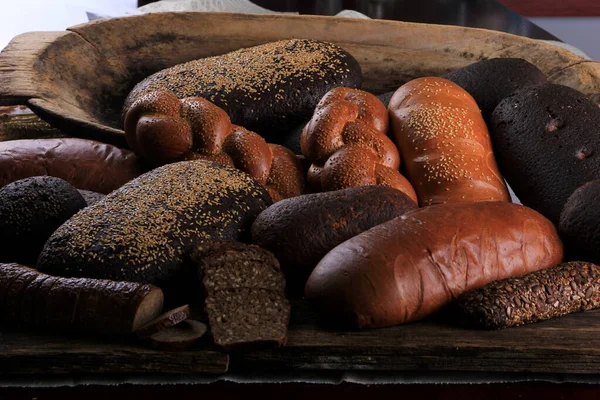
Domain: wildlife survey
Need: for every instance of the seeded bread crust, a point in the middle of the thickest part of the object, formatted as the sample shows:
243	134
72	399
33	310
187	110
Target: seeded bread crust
547	145
142	231
268	89
541	295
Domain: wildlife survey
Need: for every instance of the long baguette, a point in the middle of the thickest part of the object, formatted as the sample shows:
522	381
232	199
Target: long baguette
79	304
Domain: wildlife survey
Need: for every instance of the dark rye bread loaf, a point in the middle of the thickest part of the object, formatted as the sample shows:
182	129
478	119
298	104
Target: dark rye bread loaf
547	145
31	209
301	230
491	81
540	295
267	89
579	225
143	231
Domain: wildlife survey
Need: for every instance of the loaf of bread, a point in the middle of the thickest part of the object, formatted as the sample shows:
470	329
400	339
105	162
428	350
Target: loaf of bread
346	141
245	295
80	304
579	224
412	266
547	145
444	143
161	129
85	164
540	295
300	231
31	209
490	81
267	89
143	231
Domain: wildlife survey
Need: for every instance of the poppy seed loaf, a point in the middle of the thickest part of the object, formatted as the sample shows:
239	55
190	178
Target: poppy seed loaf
490	81
547	144
267	89
143	231
30	211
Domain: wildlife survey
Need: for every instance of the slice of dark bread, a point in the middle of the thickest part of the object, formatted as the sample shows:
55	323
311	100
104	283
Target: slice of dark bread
247	318
231	265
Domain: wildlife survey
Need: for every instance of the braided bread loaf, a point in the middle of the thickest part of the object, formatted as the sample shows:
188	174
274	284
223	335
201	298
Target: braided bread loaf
161	129
346	141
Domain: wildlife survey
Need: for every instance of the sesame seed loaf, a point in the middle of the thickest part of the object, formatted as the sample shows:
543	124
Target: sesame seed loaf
247	318
541	295
267	89
547	145
490	81
143	231
301	230
444	143
579	225
31	209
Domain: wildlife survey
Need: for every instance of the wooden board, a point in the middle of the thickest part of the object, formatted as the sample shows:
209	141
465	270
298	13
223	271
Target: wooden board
569	345
77	79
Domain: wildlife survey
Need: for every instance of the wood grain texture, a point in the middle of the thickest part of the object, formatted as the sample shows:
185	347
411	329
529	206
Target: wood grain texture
77	80
24	352
569	345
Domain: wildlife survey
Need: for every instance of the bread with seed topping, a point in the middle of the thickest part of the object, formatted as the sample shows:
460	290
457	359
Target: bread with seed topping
444	143
267	89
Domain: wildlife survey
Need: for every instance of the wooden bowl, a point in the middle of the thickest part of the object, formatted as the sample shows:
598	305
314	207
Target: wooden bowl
77	79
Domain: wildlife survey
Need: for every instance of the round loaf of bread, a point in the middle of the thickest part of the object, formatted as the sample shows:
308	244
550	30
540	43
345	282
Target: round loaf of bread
30	211
267	89
579	225
143	231
547	145
490	81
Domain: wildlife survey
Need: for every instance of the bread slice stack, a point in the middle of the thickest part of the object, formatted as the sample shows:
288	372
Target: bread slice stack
244	289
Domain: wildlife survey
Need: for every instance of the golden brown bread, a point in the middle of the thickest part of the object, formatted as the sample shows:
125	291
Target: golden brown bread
445	143
405	269
161	129
346	141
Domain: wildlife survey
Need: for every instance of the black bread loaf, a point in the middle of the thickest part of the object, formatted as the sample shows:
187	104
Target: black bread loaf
268	89
31	209
579	225
547	144
491	81
301	230
143	231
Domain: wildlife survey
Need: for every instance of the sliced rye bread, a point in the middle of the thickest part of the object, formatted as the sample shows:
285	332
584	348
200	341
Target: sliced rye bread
248	318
